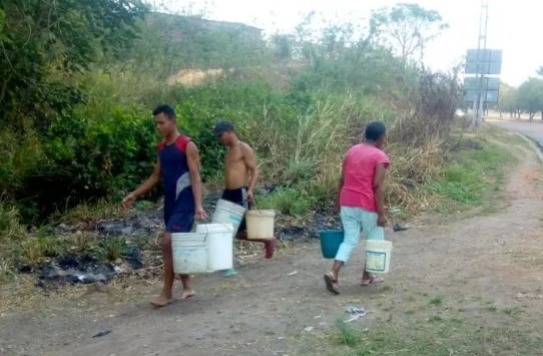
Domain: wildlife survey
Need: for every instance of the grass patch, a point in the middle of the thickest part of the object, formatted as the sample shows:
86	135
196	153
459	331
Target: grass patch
512	311
103	209
437	336
474	174
347	335
34	251
437	301
492	308
10	227
293	200
113	248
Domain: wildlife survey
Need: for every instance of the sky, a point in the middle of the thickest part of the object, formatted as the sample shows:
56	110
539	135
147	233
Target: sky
513	25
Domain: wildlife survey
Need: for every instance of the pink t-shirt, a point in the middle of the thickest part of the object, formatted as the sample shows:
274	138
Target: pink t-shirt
358	173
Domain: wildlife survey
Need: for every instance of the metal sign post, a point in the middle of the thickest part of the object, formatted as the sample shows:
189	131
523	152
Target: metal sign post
483	68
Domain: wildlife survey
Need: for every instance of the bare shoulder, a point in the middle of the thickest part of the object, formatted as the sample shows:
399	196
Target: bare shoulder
191	148
245	148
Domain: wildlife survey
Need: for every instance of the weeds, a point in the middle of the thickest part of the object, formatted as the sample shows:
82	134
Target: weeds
10	228
437	336
512	311
347	335
142	240
437	301
36	250
492	308
6	269
291	201
474	175
88	213
113	248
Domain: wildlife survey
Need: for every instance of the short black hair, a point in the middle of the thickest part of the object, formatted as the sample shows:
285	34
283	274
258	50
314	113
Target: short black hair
222	127
165	109
374	130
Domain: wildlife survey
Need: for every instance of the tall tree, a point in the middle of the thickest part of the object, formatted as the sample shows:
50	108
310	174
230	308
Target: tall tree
44	44
530	96
508	101
407	28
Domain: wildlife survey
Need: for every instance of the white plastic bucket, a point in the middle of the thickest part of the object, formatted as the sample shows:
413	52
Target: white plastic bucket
260	224
189	252
228	213
219	246
378	253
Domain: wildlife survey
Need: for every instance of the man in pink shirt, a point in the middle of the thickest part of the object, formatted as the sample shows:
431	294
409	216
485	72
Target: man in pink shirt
361	198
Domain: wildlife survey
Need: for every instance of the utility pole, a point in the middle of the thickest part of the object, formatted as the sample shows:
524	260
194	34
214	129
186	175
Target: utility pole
482	72
478	105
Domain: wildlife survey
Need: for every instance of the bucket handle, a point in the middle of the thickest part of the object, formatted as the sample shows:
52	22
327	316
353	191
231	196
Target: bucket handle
207	231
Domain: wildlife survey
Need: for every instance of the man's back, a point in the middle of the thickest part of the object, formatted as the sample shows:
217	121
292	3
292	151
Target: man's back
358	174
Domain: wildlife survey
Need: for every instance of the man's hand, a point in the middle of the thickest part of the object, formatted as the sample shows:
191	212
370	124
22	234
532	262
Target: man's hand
200	214
251	196
129	200
381	220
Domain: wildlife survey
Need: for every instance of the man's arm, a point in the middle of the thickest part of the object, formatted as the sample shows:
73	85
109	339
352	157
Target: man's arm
193	160
146	186
379	189
250	162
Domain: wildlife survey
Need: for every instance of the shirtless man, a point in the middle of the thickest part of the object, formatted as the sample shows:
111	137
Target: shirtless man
241	175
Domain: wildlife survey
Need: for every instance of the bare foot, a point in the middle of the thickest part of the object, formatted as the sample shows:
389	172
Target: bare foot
186	294
161	301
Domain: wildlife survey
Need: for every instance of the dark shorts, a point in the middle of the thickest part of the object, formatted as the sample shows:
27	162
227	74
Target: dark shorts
239	197
179	221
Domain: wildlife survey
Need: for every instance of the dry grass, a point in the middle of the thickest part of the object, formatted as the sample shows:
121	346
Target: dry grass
419	136
88	213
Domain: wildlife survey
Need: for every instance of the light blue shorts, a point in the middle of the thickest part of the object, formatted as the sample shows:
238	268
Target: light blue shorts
356	221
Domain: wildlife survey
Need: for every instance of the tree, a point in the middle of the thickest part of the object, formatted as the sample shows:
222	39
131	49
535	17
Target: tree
283	46
46	44
407	28
530	96
508	101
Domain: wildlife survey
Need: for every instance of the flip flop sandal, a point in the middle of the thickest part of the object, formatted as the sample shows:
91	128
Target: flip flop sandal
230	273
331	283
374	280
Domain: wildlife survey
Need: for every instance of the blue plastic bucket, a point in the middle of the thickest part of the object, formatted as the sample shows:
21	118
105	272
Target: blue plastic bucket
330	241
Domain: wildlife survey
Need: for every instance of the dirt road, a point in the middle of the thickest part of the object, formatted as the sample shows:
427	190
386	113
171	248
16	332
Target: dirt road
471	263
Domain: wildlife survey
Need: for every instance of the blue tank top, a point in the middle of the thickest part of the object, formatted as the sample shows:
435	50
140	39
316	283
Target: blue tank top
175	175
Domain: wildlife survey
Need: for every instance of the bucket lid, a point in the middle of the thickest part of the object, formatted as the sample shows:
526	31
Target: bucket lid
262	213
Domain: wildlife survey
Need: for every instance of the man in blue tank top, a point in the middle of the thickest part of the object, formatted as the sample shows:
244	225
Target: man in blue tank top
178	167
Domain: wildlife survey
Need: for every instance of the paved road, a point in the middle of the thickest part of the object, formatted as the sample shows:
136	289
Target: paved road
533	130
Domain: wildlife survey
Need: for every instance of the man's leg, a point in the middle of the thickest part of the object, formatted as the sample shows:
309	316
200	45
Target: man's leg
269	244
187	288
178	222
165	296
235	196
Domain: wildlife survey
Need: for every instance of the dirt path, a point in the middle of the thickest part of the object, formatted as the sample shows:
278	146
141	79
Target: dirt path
494	259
